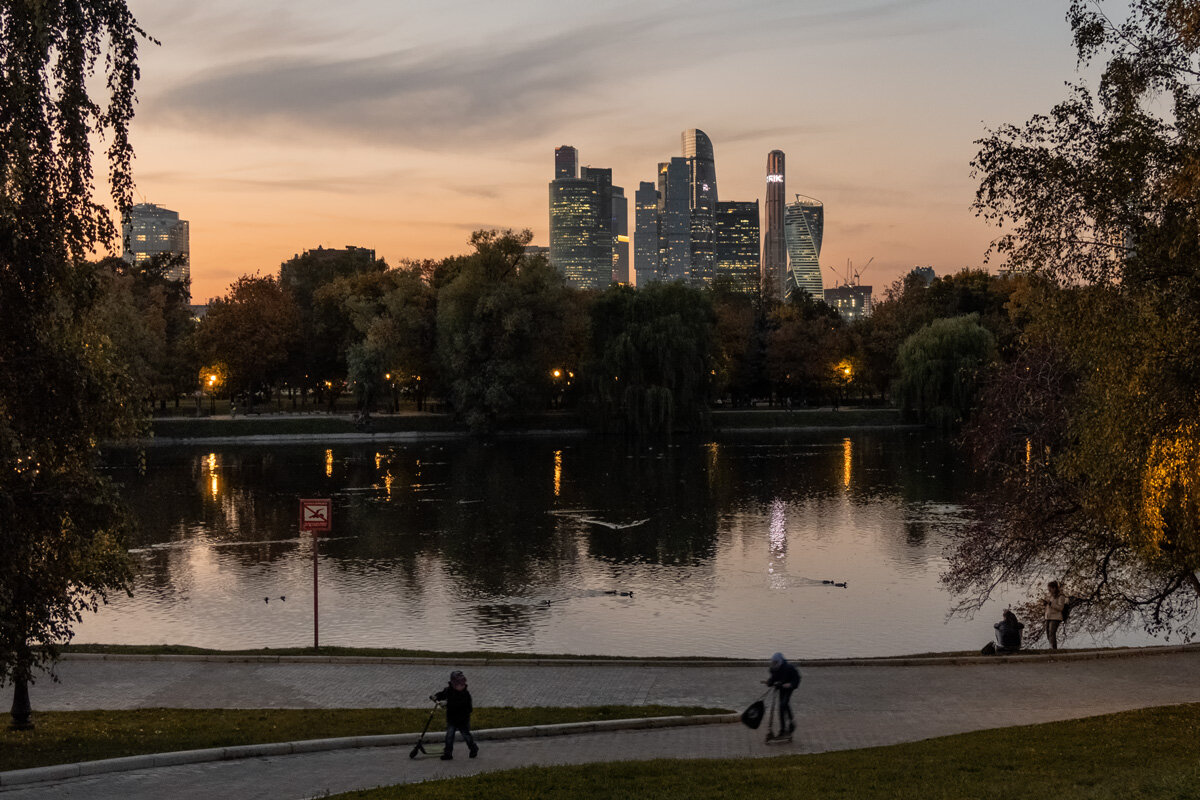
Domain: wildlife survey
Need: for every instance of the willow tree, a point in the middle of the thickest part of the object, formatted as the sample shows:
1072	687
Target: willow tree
653	358
939	368
62	388
1088	431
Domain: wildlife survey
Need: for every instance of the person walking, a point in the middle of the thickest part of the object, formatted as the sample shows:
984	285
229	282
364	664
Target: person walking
458	714
785	678
1054	601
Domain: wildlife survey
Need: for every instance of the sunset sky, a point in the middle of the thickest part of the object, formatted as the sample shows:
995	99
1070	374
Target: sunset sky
277	126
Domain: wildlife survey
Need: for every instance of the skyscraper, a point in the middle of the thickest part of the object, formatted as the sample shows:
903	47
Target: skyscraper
675	221
150	230
702	201
566	162
736	244
620	229
581	238
774	260
804	224
602	177
645	234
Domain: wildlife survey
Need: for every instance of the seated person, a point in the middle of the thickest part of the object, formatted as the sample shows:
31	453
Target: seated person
1008	633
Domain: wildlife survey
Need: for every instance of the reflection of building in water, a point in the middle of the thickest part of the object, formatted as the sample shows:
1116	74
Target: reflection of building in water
557	472
777	537
328	463
847	462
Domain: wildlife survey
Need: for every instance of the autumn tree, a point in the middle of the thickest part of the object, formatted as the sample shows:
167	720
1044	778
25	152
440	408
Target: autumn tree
251	331
807	337
505	321
63	391
1088	432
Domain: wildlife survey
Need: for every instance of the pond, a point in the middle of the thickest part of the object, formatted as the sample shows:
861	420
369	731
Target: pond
735	546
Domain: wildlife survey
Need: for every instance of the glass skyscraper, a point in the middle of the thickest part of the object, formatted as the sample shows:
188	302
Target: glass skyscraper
675	220
580	244
736	244
566	162
620	229
803	225
645	234
150	230
702	201
581	221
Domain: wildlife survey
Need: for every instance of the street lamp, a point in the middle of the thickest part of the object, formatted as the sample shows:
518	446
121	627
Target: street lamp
212	390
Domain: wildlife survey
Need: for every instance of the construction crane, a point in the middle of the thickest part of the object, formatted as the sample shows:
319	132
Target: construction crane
852	276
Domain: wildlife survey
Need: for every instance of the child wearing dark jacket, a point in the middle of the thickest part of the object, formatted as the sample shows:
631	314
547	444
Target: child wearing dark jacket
458	714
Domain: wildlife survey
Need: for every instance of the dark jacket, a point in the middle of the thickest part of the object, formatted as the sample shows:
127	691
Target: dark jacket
784	673
458	705
1008	633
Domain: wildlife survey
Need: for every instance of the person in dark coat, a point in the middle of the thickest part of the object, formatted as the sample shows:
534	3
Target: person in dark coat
458	714
1008	633
786	678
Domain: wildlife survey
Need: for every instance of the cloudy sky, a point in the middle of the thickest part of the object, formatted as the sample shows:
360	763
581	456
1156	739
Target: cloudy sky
276	126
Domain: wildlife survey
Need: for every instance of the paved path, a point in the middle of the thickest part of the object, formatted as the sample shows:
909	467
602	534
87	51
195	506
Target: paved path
838	708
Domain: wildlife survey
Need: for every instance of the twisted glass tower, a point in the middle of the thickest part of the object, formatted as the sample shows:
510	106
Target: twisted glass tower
803	226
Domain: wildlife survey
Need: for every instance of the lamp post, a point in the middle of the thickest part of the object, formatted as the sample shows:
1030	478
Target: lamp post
212	390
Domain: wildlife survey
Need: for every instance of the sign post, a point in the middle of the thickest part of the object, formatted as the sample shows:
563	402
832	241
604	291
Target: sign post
316	516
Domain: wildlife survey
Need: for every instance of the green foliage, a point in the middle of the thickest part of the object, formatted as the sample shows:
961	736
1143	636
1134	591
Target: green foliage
939	367
1089	429
250	331
324	332
806	339
63	386
653	357
504	323
150	322
393	316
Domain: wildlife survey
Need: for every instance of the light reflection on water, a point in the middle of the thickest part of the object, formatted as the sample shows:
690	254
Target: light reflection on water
726	548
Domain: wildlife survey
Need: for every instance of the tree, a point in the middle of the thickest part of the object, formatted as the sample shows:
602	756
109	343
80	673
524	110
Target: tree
250	331
318	355
393	317
505	321
653	357
807	337
1088	432
939	367
62	388
150	323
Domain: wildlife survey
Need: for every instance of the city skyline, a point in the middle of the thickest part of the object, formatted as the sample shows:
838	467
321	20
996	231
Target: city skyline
271	135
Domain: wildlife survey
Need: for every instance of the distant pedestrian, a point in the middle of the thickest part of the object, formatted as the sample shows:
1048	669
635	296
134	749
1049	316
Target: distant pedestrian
458	714
1054	601
785	678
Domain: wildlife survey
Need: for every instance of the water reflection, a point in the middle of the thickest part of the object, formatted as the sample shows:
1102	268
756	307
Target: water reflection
685	548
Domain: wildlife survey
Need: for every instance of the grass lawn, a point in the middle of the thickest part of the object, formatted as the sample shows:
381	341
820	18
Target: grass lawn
1152	754
65	737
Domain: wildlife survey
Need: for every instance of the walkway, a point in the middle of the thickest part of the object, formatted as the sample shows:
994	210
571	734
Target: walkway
839	707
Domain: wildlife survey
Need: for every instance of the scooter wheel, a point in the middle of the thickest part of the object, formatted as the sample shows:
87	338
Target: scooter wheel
413	753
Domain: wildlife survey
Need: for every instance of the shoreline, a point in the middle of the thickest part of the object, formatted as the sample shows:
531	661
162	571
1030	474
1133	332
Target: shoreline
411	427
99	652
